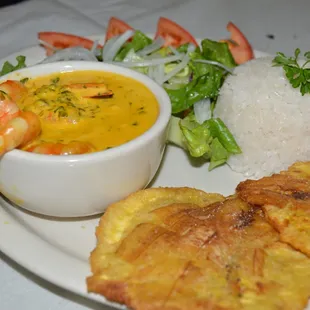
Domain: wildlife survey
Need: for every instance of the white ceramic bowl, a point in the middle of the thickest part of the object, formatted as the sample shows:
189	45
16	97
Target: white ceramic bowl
82	185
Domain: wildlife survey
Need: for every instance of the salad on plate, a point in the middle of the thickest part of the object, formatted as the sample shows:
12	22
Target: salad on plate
191	73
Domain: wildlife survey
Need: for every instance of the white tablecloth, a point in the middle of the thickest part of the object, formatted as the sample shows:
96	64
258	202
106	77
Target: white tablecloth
288	21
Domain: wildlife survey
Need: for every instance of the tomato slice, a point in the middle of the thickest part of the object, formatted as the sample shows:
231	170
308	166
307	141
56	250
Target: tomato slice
63	40
116	27
174	34
239	46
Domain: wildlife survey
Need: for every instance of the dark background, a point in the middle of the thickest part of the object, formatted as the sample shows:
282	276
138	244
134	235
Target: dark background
9	2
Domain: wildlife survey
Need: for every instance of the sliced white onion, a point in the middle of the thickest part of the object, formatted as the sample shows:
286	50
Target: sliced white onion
191	48
215	63
161	73
72	53
119	42
149	62
156	45
179	67
174	50
150	72
153	56
157	73
96	50
94	47
202	110
48	45
107	46
179	80
132	57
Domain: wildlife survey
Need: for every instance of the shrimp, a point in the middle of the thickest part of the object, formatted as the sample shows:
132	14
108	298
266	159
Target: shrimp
10	92
15	90
71	148
17	128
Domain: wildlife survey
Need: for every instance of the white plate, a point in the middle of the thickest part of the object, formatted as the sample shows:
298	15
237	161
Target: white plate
58	250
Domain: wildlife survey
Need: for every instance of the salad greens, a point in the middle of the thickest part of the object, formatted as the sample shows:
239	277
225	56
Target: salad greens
138	42
206	82
211	140
217	51
192	77
298	76
8	67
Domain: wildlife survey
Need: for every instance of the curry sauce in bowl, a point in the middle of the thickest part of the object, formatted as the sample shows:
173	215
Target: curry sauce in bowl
69	114
119	115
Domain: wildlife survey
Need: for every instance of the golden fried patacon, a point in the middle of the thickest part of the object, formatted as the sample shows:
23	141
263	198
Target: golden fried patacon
180	248
124	232
285	199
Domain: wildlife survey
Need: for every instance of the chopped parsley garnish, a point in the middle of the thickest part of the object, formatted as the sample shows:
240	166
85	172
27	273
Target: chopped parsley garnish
298	76
55	80
24	80
61	111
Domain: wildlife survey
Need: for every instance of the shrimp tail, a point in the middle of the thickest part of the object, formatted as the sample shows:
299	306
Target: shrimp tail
15	90
19	131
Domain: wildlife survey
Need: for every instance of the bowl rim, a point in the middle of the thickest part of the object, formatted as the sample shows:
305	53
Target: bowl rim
160	94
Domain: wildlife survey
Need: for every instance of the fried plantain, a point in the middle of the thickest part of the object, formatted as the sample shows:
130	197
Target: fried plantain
285	199
180	248
125	234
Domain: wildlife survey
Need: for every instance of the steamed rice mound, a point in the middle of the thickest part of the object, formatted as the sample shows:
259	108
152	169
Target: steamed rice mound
268	117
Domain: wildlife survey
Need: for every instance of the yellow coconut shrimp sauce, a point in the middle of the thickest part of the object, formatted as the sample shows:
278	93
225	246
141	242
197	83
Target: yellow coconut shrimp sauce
68	115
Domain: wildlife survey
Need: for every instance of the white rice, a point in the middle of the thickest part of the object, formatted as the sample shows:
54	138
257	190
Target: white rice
268	117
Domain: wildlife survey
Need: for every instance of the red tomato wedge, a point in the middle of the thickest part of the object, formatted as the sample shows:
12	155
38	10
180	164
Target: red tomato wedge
174	34
116	27
63	40
239	46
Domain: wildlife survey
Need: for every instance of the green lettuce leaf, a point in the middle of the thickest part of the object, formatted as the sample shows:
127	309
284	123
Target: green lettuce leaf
8	67
138	42
197	137
219	130
183	48
210	140
204	86
199	68
217	51
175	135
178	98
206	81
219	155
188	134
